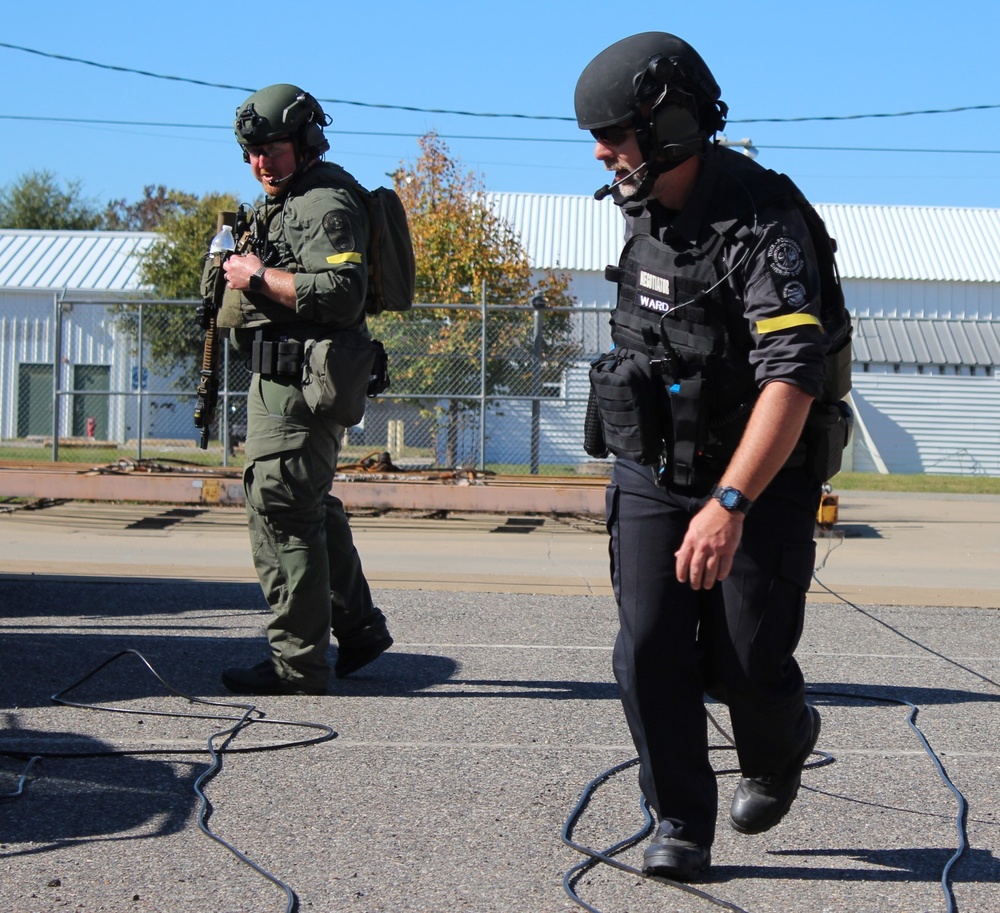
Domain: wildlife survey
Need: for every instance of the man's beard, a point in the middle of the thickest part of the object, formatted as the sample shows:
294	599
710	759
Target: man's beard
630	186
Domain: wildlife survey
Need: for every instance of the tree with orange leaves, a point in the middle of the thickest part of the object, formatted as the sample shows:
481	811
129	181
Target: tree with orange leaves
467	254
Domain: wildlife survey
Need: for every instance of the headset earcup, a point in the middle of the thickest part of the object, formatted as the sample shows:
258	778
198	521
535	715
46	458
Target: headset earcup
676	132
313	139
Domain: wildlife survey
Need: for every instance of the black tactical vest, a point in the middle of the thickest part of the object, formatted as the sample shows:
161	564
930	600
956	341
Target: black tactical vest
671	311
670	308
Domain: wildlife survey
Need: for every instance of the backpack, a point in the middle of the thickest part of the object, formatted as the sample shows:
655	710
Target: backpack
392	266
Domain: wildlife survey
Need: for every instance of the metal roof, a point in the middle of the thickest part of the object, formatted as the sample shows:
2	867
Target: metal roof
567	232
930	342
949	244
103	261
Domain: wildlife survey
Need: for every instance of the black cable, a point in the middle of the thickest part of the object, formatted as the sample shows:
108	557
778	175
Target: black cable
553	117
594	856
99	122
19	789
250	716
205	809
607	856
574	874
960	819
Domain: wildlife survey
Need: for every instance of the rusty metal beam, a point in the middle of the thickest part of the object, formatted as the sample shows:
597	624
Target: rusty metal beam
509	494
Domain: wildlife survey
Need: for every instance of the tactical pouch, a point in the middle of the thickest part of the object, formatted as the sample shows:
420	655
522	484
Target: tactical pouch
826	434
593	433
336	373
276	358
630	401
379	380
837	382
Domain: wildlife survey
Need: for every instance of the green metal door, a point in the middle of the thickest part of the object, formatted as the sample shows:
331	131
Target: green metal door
90	409
34	400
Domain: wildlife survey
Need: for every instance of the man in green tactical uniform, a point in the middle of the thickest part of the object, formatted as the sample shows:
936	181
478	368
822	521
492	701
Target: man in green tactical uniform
305	279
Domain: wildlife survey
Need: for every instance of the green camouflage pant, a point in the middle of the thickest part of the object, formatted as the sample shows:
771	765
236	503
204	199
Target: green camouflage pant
302	545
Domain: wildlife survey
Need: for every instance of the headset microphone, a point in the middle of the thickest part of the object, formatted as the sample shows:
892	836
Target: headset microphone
608	188
287	177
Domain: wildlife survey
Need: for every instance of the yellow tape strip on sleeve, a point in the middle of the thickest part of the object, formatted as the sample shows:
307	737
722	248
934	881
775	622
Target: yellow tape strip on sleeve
350	257
786	322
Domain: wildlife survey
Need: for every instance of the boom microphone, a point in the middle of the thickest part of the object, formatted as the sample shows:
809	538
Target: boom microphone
287	177
608	188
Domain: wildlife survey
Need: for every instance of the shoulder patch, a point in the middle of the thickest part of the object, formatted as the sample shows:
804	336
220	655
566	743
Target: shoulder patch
338	229
794	294
784	257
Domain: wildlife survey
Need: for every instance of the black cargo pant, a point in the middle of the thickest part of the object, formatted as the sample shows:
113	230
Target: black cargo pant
735	641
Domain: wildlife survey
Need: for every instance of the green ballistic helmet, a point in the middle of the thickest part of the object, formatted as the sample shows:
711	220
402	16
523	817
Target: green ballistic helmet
282	111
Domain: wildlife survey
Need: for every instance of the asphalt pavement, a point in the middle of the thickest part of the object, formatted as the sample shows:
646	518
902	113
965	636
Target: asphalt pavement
441	777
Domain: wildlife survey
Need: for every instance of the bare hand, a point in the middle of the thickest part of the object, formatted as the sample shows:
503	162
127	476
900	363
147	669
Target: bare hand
239	269
706	554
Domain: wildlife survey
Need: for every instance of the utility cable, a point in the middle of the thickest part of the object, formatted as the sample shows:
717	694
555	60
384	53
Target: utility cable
219	743
594	857
105	122
19	789
960	819
421	110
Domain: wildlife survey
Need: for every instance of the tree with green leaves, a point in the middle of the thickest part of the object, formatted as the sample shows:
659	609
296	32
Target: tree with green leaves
465	251
148	213
171	269
36	200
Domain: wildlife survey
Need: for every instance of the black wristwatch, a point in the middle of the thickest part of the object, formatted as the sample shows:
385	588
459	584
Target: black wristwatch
257	279
732	499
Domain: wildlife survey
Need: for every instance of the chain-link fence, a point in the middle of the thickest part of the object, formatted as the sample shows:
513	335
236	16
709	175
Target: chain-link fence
500	388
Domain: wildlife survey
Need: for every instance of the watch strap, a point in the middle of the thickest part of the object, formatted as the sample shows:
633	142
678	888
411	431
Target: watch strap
732	499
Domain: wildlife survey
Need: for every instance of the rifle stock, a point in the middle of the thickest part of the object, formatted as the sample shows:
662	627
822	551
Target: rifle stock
208	385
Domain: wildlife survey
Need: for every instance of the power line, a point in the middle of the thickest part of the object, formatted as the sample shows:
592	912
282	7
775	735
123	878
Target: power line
420	110
219	85
458	136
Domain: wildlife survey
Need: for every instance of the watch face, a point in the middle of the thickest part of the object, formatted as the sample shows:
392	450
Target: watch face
730	498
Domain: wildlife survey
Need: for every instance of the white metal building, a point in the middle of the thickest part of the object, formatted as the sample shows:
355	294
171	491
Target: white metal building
923	285
43	273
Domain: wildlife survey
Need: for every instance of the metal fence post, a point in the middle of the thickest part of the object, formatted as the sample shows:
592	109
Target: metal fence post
537	348
138	387
56	350
482	379
223	419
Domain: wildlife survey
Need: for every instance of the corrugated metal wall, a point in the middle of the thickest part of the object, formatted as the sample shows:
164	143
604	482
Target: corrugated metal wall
928	423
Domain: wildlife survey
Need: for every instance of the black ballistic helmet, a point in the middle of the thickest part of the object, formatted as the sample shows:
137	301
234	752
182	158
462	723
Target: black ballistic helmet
659	84
279	112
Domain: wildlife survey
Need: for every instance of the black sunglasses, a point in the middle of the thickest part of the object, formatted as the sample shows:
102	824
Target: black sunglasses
614	135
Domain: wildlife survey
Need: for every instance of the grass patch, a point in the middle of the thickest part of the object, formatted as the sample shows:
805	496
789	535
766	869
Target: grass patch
918	482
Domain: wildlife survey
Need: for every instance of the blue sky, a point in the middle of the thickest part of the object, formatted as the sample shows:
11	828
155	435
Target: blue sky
773	60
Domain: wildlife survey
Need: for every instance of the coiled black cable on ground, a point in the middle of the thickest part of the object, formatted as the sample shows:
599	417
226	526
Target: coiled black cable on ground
219	744
607	856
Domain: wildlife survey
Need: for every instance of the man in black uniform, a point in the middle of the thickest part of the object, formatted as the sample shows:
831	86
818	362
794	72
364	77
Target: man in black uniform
712	528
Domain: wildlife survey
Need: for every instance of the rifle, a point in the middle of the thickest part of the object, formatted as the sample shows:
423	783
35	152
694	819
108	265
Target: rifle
230	227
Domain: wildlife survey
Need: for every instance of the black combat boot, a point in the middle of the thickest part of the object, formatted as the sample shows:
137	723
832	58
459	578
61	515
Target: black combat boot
761	802
363	646
671	857
264	679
